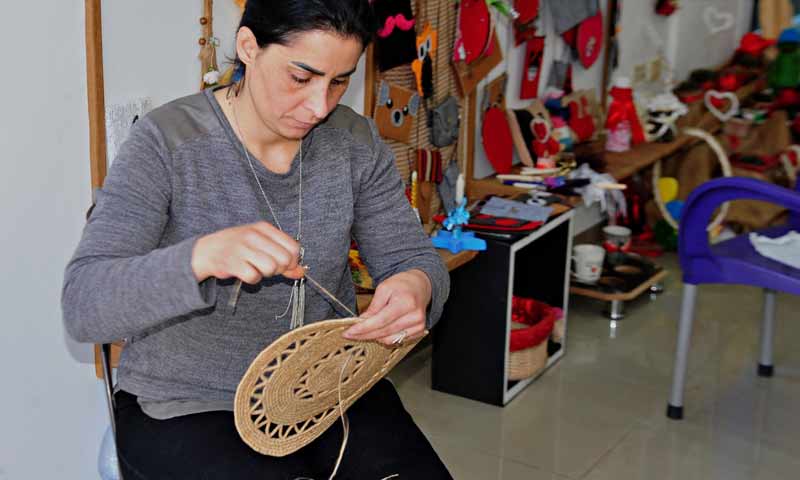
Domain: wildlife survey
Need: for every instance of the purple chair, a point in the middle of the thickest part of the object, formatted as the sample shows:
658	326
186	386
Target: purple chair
733	261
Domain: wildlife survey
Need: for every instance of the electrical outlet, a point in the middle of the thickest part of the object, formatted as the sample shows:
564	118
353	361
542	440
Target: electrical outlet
639	73
656	67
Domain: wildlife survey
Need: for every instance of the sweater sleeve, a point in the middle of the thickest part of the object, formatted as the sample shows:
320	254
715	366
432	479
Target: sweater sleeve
389	236
121	281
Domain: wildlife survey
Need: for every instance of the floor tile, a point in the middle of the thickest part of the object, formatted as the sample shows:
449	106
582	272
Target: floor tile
600	412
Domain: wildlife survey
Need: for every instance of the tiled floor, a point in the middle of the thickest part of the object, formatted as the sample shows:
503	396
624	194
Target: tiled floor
599	413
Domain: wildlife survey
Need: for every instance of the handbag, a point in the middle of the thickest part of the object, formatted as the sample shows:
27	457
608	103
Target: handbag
444	123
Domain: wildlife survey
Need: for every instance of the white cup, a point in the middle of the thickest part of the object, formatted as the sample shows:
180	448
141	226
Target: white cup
588	262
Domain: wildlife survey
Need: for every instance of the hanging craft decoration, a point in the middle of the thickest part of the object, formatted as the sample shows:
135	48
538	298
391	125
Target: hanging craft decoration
495	130
422	66
532	67
566	14
209	71
395	111
396	41
304	381
468	76
475	32
715	103
589	41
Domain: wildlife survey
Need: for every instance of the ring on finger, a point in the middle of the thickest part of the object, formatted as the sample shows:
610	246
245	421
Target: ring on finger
400	337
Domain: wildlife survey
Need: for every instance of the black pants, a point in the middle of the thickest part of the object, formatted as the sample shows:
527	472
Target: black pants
384	440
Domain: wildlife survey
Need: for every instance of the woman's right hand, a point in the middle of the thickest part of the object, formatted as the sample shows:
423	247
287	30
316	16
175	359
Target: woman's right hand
247	252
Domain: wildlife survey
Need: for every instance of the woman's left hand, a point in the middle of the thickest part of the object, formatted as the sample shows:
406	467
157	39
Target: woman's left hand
397	311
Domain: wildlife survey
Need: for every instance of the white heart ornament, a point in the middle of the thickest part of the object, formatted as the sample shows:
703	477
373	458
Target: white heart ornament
733	109
717	21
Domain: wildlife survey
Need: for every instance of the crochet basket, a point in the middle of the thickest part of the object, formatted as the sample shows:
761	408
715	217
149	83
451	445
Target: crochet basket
532	323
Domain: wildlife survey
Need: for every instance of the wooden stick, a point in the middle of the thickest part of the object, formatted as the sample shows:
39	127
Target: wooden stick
95	87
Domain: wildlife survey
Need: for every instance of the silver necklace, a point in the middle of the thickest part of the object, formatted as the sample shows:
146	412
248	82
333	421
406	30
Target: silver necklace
297	298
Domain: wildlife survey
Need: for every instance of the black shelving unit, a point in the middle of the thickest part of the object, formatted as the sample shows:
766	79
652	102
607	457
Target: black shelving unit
470	342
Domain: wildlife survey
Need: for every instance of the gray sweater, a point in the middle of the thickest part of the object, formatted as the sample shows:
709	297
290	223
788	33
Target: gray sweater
182	174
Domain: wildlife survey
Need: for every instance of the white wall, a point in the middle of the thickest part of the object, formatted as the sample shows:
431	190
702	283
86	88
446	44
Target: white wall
52	412
52	409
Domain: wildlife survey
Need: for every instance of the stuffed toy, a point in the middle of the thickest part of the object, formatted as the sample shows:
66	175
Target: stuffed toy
397	40
395	111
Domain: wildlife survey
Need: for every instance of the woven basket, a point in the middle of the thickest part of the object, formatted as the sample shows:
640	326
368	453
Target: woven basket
531	326
528	362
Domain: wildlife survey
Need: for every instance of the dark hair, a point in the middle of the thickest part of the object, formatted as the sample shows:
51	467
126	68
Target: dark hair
277	21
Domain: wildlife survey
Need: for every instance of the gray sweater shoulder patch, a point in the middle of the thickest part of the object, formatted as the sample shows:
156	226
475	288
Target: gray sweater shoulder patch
184	119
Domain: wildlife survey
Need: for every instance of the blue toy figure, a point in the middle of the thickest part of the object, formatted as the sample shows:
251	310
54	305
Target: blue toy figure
453	238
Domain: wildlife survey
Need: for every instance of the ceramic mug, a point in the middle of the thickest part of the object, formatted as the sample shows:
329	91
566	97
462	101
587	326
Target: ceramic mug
618	238
588	262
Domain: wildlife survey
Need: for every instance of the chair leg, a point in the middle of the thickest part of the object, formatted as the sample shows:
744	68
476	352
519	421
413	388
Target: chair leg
675	406
765	367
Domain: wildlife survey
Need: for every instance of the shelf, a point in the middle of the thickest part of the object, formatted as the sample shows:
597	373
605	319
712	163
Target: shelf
471	341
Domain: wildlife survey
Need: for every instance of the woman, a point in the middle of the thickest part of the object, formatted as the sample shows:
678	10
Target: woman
252	183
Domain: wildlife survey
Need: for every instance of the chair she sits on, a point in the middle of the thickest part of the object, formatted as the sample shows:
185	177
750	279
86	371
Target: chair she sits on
733	261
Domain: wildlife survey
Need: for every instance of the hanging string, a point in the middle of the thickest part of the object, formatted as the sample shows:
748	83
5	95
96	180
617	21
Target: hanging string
345	427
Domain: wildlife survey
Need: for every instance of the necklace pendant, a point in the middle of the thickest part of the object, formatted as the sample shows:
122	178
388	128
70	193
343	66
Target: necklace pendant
298	304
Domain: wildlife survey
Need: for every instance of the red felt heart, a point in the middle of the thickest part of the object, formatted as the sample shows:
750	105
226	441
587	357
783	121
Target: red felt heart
474	24
590	39
497	141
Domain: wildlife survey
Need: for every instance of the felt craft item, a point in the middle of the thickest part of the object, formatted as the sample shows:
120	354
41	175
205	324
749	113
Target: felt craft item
298	386
474	31
422	66
582	113
497	140
569	13
622	109
429	165
666	7
528	10
534	53
395	111
469	75
395	44
523	122
589	41
444	123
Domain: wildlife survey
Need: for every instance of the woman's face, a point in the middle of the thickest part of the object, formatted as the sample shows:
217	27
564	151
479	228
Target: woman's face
295	86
